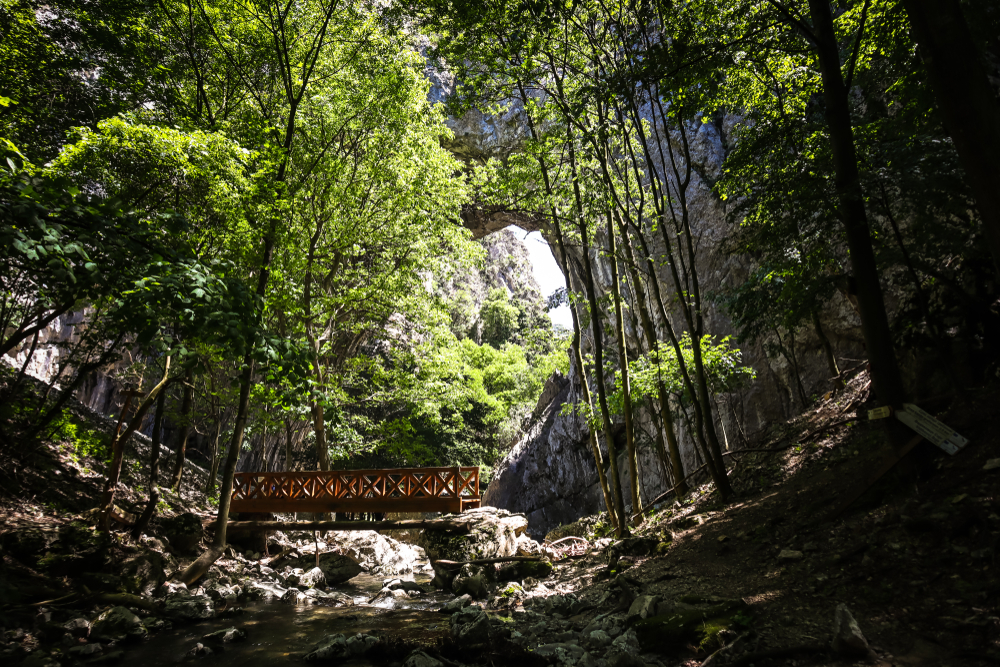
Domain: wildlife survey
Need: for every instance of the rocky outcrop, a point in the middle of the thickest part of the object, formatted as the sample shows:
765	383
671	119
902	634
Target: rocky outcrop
549	475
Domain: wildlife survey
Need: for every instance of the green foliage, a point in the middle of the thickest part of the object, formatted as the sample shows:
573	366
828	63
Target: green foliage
500	318
85	440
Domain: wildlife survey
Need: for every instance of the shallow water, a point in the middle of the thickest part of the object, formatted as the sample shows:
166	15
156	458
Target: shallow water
277	631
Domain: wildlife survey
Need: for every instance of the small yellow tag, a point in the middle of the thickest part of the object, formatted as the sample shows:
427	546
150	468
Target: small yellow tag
880	413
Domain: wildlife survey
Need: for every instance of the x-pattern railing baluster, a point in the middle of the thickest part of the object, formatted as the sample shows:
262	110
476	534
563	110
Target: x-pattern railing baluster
422	486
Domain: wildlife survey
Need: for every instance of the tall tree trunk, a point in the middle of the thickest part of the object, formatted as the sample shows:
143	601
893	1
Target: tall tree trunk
966	100
653	343
154	450
563	259
175	482
616	294
874	321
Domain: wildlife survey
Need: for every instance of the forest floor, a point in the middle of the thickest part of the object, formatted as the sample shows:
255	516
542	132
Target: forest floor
913	559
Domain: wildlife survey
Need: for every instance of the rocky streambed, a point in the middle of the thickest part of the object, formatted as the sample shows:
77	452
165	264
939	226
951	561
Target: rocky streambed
376	600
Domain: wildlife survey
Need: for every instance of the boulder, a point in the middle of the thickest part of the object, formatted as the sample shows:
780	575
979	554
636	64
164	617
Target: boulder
475	581
642	607
458	604
264	590
187	607
85	651
184	532
142	574
312	578
470	626
377	553
624	651
340	648
337	568
78	627
494	534
847	637
563	655
116	624
421	659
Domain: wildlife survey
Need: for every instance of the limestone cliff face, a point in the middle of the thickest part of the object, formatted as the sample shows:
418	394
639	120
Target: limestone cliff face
550	474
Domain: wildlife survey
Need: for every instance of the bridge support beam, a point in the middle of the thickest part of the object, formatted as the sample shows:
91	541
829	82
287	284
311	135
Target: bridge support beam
447	525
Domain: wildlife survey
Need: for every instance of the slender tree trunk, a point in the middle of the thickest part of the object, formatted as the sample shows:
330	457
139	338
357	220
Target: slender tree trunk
966	100
154	451
319	428
214	468
582	369
652	341
831	358
175	482
633	464
874	321
118	449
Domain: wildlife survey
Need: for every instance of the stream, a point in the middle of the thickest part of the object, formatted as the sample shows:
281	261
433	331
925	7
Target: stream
278	631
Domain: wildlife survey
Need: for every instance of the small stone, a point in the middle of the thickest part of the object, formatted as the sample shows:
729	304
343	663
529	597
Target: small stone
225	636
992	464
199	651
790	555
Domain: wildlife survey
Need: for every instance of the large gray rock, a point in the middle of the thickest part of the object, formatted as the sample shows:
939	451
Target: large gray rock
494	534
470	626
474	581
421	659
378	553
337	568
186	607
848	639
339	648
312	578
265	590
116	624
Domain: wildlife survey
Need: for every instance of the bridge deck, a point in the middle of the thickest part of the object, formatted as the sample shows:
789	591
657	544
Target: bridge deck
397	490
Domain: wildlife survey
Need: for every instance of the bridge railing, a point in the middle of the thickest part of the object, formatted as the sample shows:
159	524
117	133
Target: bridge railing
396	490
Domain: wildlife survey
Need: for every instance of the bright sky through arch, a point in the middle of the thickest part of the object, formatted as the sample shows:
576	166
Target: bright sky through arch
547	272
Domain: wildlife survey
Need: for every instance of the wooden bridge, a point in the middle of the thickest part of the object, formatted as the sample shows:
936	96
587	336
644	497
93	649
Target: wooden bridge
398	490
